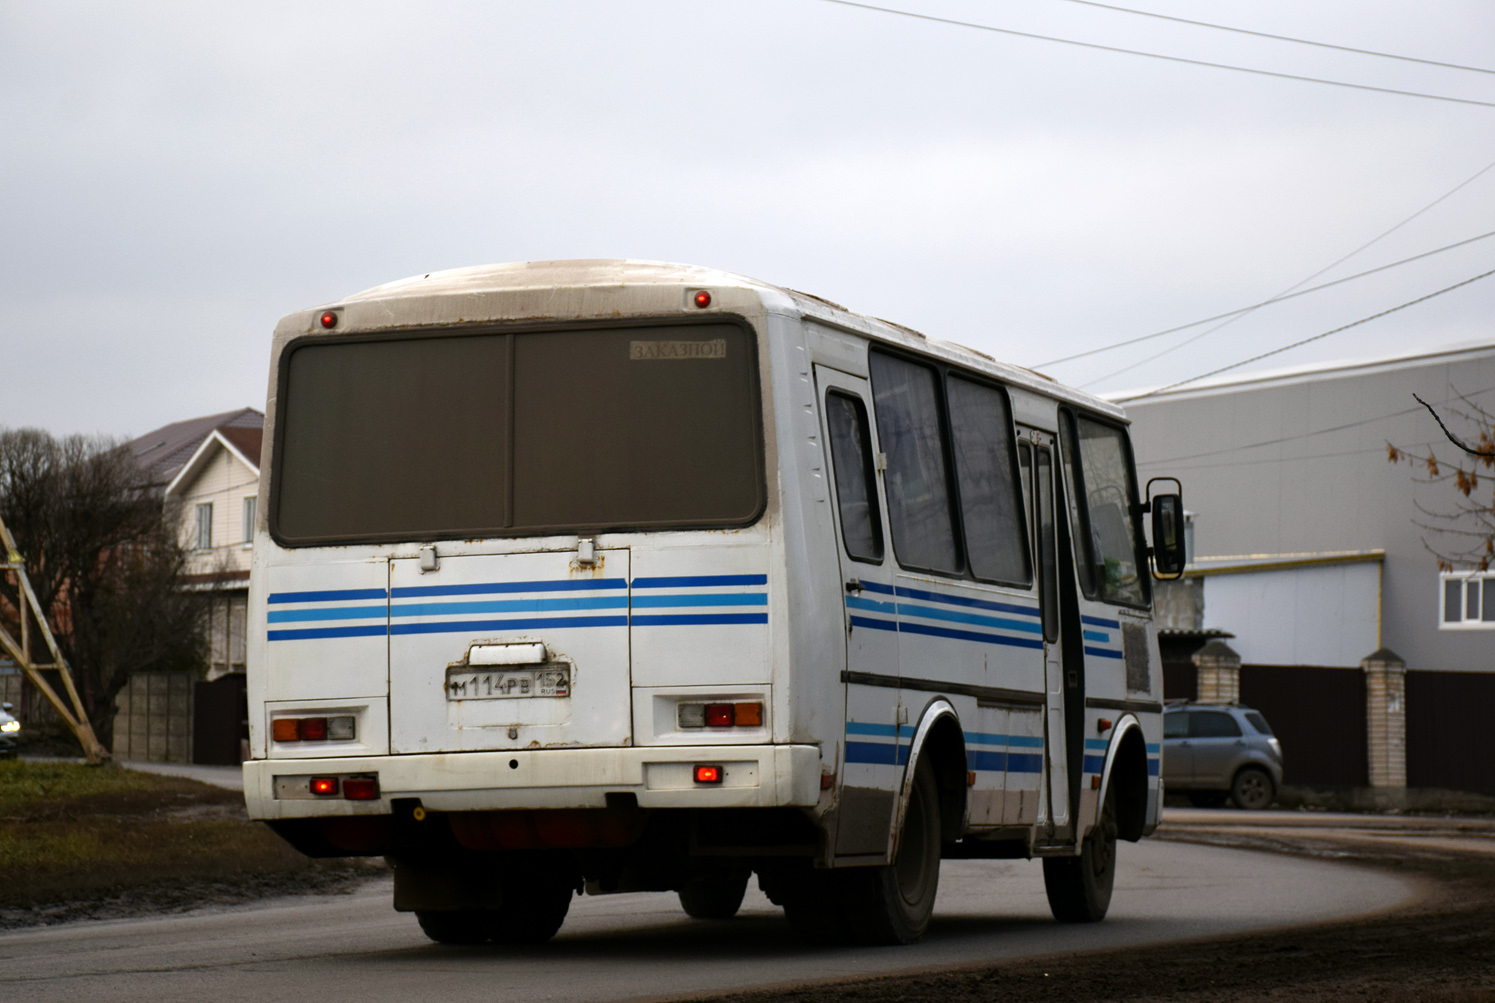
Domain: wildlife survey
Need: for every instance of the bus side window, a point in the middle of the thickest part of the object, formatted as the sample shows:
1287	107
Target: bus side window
981	427
1084	552
851	459
921	518
1109	490
1048	555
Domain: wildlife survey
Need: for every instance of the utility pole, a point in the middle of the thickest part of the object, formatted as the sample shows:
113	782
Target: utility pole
20	650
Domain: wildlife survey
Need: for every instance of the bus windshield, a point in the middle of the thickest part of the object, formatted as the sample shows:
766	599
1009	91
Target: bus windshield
443	435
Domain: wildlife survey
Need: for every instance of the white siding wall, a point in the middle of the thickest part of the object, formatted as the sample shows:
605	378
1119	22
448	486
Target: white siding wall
1325	616
226	482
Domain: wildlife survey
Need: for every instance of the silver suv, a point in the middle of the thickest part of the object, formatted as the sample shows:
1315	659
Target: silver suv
1217	751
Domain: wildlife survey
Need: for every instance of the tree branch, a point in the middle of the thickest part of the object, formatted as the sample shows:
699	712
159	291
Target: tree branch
1451	437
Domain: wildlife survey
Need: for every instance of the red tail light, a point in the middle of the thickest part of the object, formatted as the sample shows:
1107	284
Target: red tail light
314	729
708	774
324	786
361	789
720	715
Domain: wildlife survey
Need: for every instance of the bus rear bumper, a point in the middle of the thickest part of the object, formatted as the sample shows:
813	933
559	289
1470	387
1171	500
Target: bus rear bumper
752	776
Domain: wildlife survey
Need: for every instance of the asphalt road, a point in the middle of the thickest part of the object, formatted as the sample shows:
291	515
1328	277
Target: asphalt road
355	947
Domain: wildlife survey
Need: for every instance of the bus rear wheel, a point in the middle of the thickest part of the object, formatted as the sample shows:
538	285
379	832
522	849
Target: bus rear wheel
1079	888
534	906
716	895
893	904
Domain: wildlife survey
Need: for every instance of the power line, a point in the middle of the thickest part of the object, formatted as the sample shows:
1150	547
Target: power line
1157	55
1257	306
1284	38
1305	341
1284	293
1301	435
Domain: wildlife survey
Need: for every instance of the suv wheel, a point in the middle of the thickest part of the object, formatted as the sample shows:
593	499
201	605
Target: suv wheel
1252	789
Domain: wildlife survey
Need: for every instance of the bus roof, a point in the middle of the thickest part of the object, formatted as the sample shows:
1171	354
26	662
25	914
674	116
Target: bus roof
541	290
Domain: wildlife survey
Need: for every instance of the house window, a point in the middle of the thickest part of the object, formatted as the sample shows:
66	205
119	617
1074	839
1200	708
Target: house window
1468	601
248	535
205	526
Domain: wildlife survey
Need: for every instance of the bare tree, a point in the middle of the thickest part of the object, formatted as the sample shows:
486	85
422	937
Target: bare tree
104	559
1460	536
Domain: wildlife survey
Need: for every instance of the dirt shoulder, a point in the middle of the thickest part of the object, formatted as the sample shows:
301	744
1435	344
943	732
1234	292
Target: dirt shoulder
80	842
1440	948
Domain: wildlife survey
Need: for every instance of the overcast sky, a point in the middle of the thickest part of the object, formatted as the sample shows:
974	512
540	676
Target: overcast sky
175	177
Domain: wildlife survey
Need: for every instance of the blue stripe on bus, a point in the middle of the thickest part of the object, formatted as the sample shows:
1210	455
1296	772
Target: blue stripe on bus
1094	764
969	635
331	595
882	753
1153	750
454	626
931	613
705	599
959	635
1012	741
510	606
965	601
882	590
1096	621
1102	652
698	618
883	730
1024	763
698	581
327	613
1152	767
1095	635
482	588
871	605
360	630
1097	743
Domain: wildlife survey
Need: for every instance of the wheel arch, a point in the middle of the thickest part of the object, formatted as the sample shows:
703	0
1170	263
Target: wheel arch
1126	769
940	737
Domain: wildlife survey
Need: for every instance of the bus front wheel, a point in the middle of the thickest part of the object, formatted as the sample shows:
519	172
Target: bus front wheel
1079	888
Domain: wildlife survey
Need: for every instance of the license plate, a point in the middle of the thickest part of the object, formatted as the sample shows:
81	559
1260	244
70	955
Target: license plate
508	684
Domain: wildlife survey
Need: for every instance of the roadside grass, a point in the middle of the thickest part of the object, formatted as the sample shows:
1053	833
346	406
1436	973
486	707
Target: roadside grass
79	841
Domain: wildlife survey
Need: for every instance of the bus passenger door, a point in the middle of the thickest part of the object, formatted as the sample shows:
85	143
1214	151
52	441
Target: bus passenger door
875	742
1036	461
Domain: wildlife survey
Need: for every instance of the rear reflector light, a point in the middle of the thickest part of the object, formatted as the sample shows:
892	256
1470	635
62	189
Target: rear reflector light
343	728
719	715
361	789
708	774
324	786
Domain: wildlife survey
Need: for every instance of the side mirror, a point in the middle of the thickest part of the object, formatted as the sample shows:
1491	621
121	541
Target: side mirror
1168	552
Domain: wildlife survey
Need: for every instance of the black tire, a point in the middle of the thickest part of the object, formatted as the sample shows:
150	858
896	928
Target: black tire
717	895
1079	888
535	904
893	904
454	926
1252	789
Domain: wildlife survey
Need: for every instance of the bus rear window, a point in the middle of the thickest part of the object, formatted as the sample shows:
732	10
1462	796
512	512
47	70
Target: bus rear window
464	435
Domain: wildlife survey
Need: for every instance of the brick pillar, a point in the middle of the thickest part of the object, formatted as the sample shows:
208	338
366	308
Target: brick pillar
1218	670
1386	718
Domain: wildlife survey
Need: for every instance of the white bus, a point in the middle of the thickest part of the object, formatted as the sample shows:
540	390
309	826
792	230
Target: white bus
605	576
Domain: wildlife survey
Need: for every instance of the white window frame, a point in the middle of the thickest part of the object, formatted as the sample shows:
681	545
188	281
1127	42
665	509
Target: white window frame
1484	618
251	502
204	540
